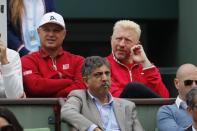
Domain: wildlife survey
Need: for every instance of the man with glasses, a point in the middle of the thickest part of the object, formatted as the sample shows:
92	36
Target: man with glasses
175	117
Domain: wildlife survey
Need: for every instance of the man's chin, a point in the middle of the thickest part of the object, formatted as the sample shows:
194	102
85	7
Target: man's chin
120	57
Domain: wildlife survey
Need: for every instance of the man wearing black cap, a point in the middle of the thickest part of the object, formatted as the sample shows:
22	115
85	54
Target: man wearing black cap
51	71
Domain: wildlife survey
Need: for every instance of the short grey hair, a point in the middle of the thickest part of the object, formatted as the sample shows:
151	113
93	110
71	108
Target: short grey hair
92	63
190	97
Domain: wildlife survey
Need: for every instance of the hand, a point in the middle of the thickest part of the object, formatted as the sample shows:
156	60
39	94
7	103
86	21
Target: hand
138	55
23	95
3	54
62	101
97	129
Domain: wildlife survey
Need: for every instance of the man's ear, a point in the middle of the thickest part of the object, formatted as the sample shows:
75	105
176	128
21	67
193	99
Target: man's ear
65	32
189	109
38	30
85	80
176	83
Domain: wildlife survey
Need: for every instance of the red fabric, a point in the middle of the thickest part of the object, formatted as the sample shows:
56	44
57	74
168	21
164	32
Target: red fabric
120	77
42	80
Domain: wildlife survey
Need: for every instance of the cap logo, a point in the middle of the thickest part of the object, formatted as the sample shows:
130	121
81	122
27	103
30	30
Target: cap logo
52	18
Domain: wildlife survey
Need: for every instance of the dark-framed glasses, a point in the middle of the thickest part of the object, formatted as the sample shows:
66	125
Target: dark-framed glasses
189	82
7	128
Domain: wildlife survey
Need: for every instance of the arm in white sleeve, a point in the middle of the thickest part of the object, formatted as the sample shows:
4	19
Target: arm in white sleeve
12	75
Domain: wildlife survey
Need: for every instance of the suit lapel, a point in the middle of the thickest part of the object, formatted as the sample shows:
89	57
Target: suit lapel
94	113
120	114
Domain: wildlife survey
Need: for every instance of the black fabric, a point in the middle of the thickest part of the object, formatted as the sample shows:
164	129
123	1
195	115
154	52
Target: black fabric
137	90
189	129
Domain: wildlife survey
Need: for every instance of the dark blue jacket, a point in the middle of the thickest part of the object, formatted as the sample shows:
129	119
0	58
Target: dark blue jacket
14	33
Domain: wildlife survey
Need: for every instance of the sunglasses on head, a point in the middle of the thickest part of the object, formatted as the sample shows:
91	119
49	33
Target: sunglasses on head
7	128
189	82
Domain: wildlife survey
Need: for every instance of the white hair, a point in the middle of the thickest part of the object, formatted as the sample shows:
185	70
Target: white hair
128	24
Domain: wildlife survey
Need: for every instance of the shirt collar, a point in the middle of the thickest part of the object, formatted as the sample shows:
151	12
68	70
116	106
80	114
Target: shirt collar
96	99
45	54
179	101
193	129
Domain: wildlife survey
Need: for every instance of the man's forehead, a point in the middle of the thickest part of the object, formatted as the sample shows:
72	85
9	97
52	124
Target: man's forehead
102	68
52	25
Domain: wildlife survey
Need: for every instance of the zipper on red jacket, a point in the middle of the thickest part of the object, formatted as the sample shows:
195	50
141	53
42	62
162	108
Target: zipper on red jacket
54	63
129	70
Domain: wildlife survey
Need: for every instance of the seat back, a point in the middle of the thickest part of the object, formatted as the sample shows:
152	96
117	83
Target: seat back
35	112
147	111
38	129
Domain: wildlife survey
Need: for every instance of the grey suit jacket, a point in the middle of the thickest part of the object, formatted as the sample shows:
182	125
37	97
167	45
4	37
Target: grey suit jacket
81	112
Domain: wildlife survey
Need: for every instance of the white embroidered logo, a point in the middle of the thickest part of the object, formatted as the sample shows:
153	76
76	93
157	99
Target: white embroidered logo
65	66
27	72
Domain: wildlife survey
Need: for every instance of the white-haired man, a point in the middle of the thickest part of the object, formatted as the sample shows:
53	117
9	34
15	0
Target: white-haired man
133	75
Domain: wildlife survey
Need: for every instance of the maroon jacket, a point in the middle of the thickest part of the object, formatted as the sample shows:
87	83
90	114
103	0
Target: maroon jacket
47	77
122	75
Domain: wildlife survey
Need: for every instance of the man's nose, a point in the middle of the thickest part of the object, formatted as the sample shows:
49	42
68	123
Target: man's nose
104	77
122	42
50	33
194	84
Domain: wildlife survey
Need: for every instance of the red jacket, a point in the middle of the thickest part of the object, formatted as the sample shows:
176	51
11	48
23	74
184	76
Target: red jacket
122	75
47	77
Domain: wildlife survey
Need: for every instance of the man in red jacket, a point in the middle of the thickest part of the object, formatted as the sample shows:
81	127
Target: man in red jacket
133	75
51	71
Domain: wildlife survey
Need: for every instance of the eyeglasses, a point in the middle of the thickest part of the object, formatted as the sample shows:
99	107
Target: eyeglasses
189	82
7	128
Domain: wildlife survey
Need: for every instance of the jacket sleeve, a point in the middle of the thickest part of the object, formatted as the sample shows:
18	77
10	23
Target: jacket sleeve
136	126
70	112
14	42
14	34
166	121
12	76
77	81
152	79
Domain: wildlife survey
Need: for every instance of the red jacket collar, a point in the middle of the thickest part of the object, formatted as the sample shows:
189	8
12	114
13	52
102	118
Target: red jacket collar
116	60
45	54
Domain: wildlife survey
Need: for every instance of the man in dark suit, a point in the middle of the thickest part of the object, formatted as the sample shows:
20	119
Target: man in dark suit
95	109
191	100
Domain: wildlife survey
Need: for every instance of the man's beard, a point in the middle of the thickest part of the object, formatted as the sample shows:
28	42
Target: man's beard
105	84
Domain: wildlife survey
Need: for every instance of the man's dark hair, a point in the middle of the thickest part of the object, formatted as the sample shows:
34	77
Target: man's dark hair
190	97
92	63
